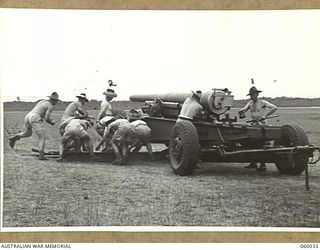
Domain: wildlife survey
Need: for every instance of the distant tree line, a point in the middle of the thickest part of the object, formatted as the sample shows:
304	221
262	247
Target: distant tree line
91	105
286	102
95	105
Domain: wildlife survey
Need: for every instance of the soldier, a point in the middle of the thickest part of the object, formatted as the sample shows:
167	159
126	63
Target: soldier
123	133
260	110
102	123
106	113
191	107
34	120
142	132
75	133
75	109
106	108
100	127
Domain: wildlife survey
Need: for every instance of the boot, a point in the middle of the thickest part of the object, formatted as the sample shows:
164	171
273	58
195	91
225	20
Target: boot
92	157
61	159
262	167
118	159
12	140
42	156
123	161
252	165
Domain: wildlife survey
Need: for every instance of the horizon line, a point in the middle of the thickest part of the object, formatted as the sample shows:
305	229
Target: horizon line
263	97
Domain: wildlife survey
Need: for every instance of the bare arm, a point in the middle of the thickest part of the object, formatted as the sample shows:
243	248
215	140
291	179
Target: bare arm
244	110
83	113
104	137
270	109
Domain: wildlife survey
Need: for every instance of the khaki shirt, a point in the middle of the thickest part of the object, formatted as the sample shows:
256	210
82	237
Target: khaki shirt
44	108
76	127
143	132
117	123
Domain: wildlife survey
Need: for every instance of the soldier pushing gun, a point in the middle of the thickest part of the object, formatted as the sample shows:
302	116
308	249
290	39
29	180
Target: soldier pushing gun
34	121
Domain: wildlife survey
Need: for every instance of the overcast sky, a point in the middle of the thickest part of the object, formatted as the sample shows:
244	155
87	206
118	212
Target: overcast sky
73	51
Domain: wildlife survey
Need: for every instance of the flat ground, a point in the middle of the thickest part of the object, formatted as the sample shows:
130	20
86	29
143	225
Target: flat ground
46	194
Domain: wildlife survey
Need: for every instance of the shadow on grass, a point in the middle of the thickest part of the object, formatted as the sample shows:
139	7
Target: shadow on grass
236	169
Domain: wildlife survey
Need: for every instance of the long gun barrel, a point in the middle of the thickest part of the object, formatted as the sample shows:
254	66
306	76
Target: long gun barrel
168	97
216	101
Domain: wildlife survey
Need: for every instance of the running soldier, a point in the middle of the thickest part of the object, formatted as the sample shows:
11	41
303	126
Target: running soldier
34	121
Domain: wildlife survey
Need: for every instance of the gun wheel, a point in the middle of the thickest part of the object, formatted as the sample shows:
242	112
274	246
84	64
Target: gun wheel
184	148
289	164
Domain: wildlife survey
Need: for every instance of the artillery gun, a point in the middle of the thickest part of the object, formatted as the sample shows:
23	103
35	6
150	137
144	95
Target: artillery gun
216	137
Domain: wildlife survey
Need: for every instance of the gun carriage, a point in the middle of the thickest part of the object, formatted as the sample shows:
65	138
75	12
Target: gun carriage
216	137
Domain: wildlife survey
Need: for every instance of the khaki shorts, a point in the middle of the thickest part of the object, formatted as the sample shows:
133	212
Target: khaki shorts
124	133
75	131
33	121
143	132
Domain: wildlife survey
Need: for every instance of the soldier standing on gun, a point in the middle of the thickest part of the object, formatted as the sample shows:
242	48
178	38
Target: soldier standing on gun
260	110
191	107
34	120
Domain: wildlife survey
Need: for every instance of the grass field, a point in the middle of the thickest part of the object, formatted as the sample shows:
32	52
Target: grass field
46	194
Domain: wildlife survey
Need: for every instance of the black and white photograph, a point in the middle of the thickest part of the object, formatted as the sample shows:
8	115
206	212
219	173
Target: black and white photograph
160	120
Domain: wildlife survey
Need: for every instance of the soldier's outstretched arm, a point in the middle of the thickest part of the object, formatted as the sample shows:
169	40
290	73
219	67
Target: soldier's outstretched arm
104	138
83	113
244	110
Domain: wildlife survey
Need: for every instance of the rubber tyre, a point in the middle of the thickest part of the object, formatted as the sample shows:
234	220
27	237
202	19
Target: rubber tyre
184	148
292	135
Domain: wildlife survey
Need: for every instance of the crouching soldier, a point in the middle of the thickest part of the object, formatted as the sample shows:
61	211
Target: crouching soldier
122	133
74	135
100	127
102	123
142	133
